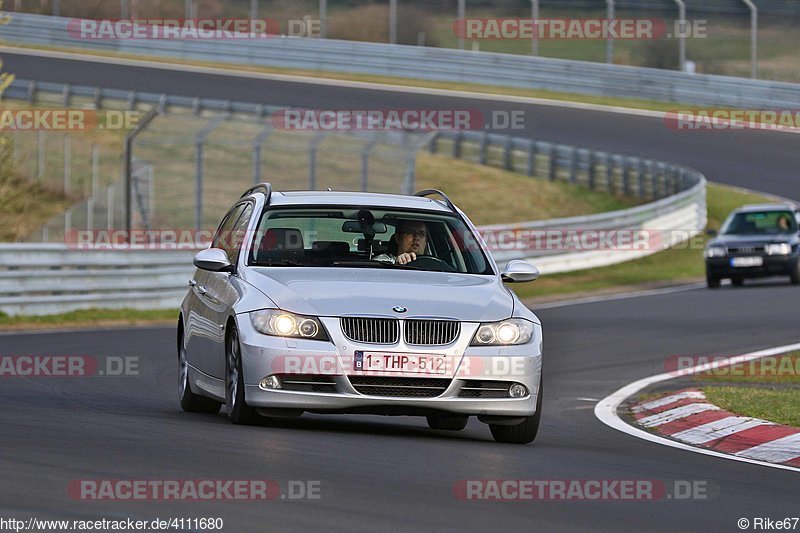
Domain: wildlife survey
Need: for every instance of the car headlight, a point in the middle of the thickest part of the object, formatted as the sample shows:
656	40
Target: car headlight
783	248
716	251
283	324
505	333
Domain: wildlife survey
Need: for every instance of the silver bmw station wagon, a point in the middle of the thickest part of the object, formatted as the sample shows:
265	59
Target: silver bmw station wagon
343	302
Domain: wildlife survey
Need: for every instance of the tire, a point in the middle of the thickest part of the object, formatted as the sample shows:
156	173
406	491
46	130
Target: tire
450	423
737	282
712	282
795	274
191	402
236	407
521	433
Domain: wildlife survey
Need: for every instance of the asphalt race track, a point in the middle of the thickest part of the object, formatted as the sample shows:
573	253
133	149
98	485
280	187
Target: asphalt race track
381	473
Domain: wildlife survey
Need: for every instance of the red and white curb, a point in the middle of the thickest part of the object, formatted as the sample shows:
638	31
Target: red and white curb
687	416
608	410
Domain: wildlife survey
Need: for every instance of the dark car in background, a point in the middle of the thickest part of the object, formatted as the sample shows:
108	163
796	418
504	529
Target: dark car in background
755	241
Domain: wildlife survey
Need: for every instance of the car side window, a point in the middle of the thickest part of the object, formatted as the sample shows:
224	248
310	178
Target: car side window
225	231
238	233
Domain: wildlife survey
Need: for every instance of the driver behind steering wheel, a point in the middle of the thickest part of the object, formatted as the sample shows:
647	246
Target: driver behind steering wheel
408	241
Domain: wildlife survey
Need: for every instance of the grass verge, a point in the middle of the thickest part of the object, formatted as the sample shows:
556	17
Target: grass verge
484	192
682	264
90	317
775	405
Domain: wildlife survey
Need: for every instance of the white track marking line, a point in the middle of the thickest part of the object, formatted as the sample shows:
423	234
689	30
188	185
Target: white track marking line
661	402
778	450
606	409
676	414
719	429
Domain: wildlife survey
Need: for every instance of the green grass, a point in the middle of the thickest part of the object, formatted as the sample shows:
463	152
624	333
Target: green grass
494	196
775	405
89	317
775	369
682	264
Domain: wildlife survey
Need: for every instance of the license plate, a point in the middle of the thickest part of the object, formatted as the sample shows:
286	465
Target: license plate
400	362
747	261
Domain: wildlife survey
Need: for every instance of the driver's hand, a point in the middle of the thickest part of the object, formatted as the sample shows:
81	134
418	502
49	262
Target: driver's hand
402	259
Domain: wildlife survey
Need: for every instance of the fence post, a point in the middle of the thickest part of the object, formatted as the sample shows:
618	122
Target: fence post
312	161
653	180
626	177
553	175
258	143
573	165
640	179
67	181
433	144
610	174
365	164
411	172
592	173
532	149
483	148
127	158
95	175
110	206
198	183
40	159
508	154
457	140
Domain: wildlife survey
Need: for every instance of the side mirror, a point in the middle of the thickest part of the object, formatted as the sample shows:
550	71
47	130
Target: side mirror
213	260
519	271
711	232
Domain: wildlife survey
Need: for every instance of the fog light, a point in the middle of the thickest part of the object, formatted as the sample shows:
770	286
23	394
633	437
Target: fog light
517	391
270	382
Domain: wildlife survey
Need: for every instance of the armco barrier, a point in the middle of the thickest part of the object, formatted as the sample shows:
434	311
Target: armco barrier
39	279
425	63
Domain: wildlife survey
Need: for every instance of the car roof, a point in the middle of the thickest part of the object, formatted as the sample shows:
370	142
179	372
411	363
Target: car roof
340	198
766	207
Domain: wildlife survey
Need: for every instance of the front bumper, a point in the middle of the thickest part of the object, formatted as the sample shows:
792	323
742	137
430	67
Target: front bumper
264	355
773	265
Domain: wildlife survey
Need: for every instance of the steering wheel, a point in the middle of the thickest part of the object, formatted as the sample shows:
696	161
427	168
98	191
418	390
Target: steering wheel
432	262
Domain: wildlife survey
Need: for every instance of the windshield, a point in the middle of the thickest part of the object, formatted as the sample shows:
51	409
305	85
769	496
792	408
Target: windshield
354	237
760	223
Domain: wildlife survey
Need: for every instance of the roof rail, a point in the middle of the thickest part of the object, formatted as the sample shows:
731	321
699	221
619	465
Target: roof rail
265	186
428	192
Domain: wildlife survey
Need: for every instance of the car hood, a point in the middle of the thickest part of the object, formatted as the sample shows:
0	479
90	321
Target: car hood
362	291
751	240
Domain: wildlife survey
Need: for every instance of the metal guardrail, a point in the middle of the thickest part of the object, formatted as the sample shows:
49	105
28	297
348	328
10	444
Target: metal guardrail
676	214
38	279
426	63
